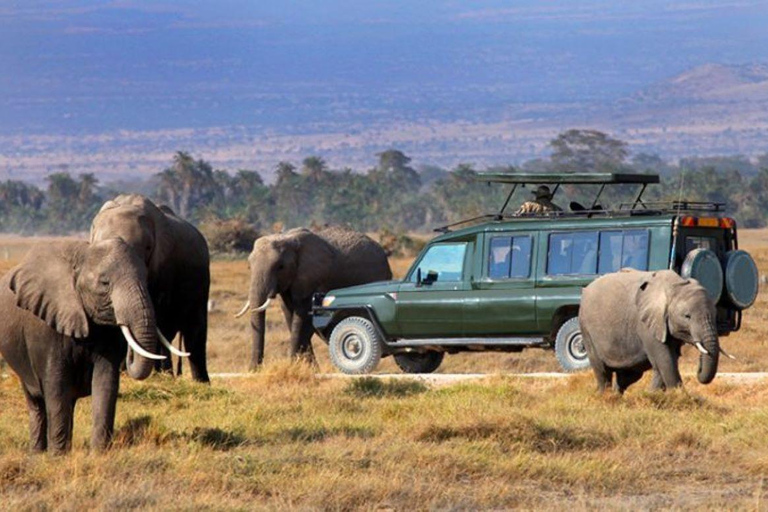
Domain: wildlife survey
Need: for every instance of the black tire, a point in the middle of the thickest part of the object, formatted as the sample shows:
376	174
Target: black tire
419	362
569	347
355	346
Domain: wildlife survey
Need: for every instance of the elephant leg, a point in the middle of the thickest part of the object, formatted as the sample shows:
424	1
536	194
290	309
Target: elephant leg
301	335
287	312
104	388
194	340
625	378
60	411
603	376
657	383
38	422
665	363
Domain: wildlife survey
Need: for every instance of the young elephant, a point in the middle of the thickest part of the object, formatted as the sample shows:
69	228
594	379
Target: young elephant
60	307
633	321
298	263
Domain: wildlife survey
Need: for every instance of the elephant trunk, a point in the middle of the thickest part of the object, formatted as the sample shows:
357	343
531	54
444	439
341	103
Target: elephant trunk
261	294
258	324
136	317
708	362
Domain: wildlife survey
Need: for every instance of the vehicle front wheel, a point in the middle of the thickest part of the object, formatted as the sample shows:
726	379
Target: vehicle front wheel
569	347
355	346
419	362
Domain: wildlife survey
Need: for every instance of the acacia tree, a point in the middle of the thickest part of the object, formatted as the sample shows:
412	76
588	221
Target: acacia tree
587	151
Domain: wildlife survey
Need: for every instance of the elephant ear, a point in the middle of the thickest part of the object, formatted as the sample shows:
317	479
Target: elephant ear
652	302
315	263
44	284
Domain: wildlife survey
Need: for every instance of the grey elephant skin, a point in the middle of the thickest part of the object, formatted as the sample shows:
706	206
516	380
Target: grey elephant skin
176	258
59	308
635	321
298	263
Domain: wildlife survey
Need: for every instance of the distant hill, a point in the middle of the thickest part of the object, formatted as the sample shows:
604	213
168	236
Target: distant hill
710	109
712	82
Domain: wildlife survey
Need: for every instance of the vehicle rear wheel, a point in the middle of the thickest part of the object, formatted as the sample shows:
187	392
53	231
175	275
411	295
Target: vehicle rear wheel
355	346
419	362
569	347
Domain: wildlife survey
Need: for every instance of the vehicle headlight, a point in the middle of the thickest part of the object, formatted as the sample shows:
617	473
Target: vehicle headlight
328	300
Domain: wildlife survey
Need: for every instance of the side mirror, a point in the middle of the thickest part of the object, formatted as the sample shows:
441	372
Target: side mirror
431	277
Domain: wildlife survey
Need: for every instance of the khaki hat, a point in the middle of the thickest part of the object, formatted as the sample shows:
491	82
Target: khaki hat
542	192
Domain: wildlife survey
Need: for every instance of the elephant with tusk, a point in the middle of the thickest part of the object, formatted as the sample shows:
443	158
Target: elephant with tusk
68	310
175	257
635	321
295	265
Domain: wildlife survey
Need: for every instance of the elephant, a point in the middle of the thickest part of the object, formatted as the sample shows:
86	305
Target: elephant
61	308
177	262
298	263
634	321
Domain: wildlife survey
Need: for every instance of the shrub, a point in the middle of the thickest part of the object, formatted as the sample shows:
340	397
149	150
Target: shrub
229	235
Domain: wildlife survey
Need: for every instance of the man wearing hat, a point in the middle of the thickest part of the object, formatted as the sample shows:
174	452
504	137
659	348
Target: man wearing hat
542	204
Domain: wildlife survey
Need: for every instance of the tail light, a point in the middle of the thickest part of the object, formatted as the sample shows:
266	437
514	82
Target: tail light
707	222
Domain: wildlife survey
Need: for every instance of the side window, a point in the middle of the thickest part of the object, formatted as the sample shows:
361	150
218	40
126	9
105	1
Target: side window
621	249
572	253
509	257
447	260
634	252
521	257
610	251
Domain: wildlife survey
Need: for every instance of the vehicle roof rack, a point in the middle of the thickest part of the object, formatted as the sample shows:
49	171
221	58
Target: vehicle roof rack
567	178
637	207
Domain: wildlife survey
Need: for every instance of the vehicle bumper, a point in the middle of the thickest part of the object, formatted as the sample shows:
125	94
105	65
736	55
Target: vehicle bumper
321	317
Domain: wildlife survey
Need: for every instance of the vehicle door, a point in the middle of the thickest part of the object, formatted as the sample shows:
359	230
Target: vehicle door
502	298
568	263
434	306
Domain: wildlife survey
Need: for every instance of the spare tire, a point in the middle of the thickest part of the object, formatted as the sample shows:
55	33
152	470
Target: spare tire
704	266
741	279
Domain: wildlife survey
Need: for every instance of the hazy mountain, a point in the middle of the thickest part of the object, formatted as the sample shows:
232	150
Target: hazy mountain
116	87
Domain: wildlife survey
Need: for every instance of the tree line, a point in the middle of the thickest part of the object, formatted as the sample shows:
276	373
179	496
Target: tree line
392	195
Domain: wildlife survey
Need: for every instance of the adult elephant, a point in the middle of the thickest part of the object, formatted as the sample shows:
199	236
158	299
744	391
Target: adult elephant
635	321
176	259
298	263
60	307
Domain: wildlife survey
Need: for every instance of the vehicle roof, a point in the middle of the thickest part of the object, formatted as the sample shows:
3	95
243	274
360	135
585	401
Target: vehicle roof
591	178
558	224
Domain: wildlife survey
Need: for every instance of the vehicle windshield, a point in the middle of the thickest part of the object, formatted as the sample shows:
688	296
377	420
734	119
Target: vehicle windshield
446	260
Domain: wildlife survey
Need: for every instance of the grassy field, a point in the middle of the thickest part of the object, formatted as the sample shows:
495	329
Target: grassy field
289	438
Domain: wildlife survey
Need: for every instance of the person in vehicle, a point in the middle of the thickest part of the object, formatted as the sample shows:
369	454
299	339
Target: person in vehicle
542	204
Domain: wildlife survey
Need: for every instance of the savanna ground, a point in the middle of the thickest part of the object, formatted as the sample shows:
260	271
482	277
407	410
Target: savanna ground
286	438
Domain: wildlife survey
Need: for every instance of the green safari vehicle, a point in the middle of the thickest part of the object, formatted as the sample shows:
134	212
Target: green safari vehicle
505	282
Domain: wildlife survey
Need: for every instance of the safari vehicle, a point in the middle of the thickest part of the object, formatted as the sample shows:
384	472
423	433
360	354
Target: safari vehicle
505	282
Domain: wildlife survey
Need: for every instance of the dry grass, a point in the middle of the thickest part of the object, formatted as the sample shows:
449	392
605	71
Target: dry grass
284	438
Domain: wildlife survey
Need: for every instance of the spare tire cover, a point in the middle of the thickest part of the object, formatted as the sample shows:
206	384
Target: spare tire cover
741	279
704	266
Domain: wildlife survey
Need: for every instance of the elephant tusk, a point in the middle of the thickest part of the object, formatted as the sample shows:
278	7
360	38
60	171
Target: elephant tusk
244	310
135	345
167	344
263	306
701	348
726	354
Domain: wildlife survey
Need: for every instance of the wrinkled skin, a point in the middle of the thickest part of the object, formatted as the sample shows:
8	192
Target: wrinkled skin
175	256
59	308
298	263
636	321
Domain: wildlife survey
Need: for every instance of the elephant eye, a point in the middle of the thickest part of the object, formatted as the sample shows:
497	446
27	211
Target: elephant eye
280	266
687	316
103	281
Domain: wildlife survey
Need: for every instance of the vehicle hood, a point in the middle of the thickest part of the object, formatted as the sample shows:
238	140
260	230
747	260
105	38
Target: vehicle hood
377	288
